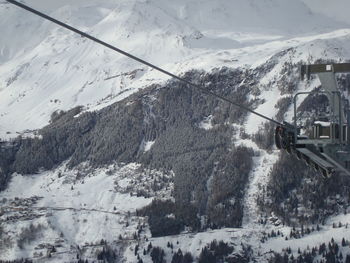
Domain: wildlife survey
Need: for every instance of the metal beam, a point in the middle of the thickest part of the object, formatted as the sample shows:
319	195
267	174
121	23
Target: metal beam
308	70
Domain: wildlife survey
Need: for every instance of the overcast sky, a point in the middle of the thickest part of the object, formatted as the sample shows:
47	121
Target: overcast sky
337	9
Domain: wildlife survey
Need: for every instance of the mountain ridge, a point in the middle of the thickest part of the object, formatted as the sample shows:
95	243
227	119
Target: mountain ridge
119	163
56	55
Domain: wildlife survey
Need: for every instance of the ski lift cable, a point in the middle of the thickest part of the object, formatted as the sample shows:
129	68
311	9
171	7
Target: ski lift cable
83	34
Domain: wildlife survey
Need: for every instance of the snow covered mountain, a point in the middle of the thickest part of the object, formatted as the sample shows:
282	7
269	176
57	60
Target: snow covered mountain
79	188
45	68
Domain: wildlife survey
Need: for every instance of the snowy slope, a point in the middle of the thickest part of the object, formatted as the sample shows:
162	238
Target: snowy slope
57	70
75	207
44	68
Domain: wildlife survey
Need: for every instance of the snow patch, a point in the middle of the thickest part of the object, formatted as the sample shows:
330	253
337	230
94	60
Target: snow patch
146	145
206	124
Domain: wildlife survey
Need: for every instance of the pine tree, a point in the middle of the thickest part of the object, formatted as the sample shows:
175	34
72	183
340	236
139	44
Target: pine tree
336	248
157	255
343	243
177	257
322	249
149	247
187	258
206	256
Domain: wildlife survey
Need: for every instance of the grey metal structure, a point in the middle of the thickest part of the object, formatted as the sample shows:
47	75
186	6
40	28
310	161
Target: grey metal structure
327	147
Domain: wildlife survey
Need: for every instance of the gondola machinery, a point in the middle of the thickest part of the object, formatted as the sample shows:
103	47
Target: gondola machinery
326	145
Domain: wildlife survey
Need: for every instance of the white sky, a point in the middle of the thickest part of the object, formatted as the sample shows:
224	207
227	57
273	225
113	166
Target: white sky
337	9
